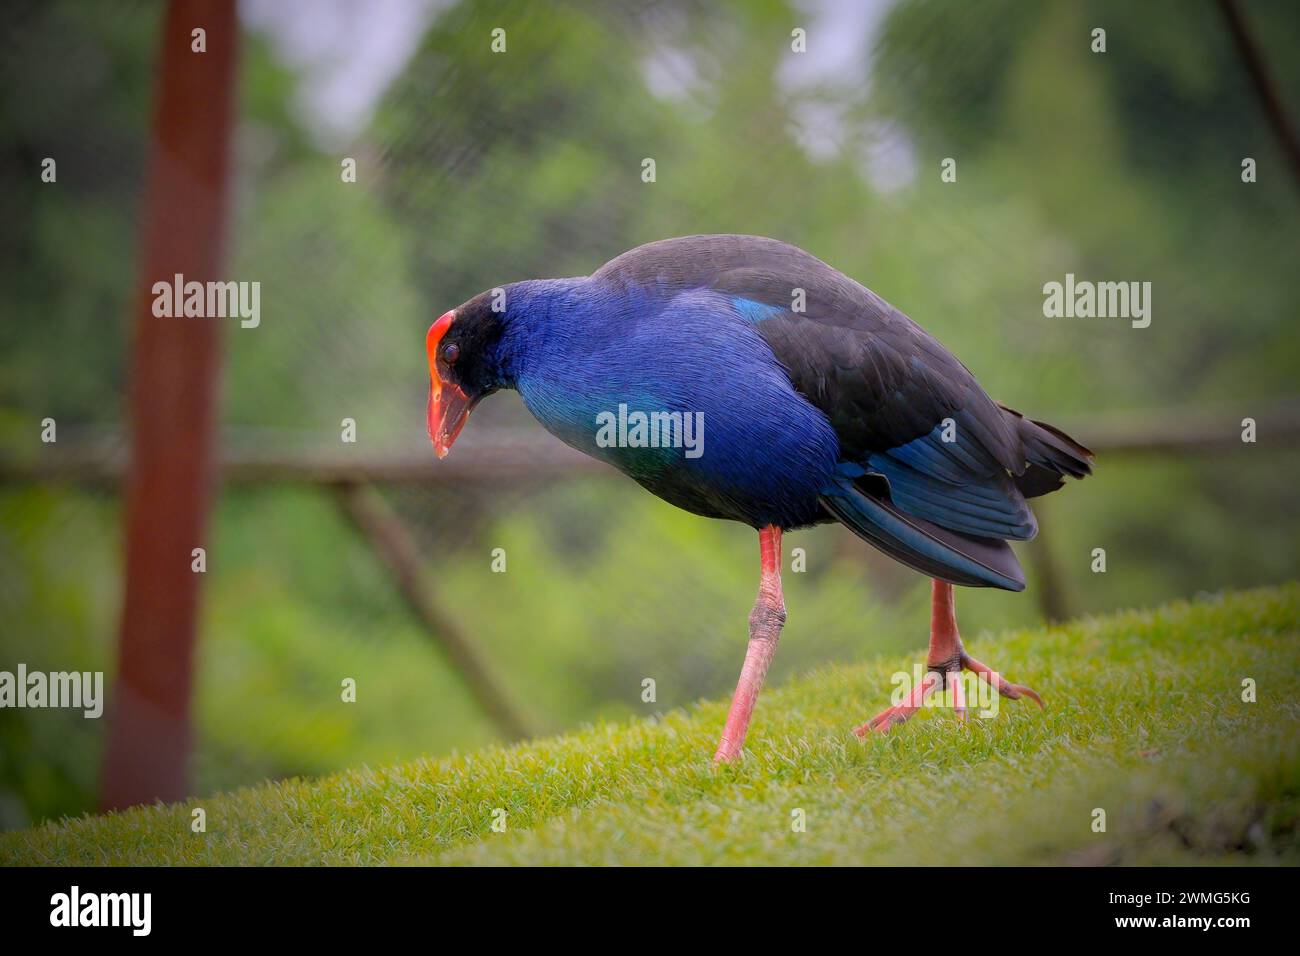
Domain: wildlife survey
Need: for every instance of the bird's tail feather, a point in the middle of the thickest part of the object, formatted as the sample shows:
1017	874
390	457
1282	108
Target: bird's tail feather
925	547
1052	455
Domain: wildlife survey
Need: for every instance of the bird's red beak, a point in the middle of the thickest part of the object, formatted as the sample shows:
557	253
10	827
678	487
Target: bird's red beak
448	406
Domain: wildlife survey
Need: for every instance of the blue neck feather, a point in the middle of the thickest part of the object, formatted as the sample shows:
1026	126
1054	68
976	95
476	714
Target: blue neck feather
538	315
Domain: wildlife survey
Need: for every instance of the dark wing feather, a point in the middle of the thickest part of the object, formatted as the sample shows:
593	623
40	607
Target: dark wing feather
881	379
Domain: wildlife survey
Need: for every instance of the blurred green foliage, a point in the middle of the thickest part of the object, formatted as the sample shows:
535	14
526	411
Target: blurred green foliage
478	169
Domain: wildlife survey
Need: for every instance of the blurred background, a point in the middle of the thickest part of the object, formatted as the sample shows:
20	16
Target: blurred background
477	168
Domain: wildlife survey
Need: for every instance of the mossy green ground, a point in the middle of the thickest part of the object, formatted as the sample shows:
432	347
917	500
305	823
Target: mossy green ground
1145	720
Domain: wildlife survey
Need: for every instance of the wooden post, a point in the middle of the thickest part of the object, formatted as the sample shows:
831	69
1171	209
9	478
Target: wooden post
397	550
1050	586
173	397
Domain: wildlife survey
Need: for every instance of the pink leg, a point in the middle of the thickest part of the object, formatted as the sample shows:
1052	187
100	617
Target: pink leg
765	623
947	657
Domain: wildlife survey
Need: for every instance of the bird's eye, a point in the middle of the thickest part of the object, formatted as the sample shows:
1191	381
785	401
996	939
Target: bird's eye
450	353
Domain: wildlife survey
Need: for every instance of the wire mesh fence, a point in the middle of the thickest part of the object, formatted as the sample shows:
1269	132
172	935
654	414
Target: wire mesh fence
581	131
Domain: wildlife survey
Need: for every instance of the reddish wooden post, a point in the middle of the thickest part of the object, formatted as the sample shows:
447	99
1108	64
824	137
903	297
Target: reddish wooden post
174	372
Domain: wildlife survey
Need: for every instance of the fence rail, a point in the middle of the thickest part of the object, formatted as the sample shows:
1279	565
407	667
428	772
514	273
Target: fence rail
515	457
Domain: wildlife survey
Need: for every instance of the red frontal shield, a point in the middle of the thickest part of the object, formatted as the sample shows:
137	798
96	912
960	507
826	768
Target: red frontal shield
448	406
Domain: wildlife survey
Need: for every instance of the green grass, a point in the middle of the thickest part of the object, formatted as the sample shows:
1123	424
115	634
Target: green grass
1144	719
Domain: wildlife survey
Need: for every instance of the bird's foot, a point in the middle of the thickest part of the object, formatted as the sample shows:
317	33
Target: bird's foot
946	674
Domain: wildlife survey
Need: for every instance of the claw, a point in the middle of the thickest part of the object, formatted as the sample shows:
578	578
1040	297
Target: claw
1016	691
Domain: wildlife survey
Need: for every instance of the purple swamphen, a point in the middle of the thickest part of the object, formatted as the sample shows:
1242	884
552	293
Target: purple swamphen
780	393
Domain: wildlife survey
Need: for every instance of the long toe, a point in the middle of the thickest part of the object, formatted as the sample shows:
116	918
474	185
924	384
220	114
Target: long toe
884	721
891	717
1005	687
